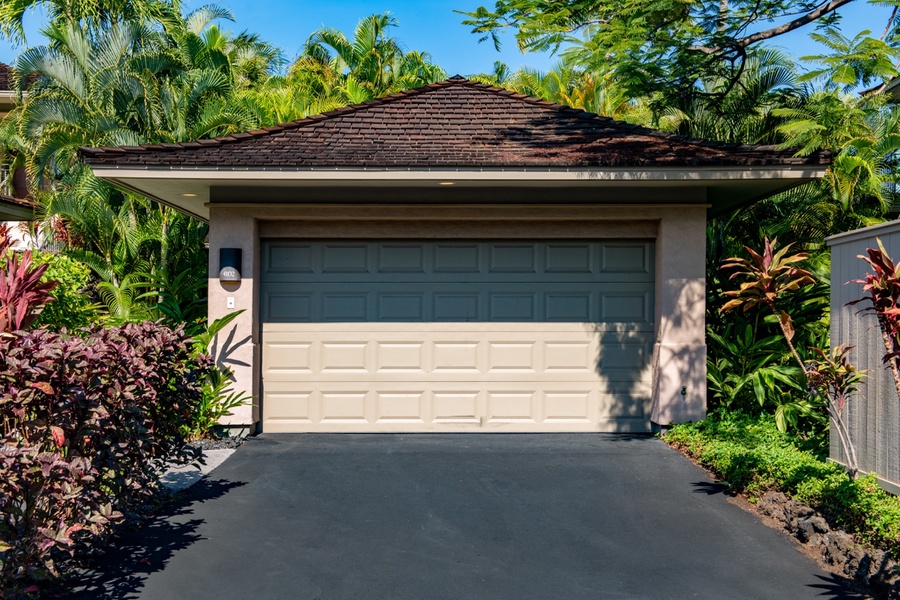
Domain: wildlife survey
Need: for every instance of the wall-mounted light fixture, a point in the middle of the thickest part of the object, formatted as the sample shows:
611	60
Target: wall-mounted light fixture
230	265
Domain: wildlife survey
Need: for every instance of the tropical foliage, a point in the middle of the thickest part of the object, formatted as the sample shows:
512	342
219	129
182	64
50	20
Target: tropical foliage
145	71
127	72
22	293
90	424
753	457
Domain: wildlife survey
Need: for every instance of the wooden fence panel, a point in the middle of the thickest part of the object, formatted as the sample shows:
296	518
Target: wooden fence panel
873	415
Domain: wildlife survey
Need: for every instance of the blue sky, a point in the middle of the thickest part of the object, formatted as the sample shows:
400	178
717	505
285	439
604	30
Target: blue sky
428	25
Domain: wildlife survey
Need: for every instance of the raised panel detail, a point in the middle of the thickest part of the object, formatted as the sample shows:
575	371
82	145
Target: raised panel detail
346	407
290	259
455	407
455	377
623	355
512	357
569	258
510	407
623	308
401	258
456	258
345	258
410	335
344	357
290	307
395	357
512	258
621	405
568	307
568	356
624	258
455	307
567	407
512	307
455	356
399	407
288	358
295	407
401	307
345	307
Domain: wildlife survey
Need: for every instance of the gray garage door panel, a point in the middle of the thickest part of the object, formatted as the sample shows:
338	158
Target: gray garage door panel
456	336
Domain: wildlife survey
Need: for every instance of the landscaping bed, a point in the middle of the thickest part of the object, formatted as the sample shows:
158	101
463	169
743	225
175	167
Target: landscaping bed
852	526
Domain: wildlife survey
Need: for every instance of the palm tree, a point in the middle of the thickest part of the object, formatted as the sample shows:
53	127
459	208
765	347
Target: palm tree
499	77
860	179
87	14
592	91
744	111
126	84
852	62
370	65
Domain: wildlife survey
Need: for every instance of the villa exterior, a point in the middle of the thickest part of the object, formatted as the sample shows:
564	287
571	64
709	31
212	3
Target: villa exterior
459	258
14	204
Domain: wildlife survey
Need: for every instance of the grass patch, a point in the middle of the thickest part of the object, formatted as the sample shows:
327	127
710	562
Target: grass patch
753	457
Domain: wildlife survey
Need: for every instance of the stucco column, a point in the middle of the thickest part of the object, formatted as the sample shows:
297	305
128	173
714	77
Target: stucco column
679	354
236	346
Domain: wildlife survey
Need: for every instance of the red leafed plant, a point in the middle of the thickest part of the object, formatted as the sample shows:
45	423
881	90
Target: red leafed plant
837	379
88	424
882	289
21	292
768	276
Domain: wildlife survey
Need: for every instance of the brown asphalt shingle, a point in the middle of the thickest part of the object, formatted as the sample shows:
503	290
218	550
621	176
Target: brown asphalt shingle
6	75
455	123
11	200
7	78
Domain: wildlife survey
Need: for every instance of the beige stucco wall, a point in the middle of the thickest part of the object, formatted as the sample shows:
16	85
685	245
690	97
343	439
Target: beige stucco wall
679	353
679	356
238	345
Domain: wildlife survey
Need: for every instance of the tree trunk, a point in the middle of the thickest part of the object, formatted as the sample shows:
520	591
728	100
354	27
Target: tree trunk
844	437
787	339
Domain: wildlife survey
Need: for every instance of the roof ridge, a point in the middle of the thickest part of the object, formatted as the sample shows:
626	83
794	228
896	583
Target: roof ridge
575	116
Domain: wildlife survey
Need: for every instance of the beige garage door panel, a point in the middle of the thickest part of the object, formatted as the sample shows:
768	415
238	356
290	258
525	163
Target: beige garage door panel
452	352
456	336
408	407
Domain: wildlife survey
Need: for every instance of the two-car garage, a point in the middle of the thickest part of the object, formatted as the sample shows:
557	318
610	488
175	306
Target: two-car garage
458	257
481	335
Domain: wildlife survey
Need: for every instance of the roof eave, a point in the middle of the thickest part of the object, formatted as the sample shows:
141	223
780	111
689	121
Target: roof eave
15	211
188	189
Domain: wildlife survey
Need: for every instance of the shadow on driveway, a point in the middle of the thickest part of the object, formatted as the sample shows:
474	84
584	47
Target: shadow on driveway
121	573
449	517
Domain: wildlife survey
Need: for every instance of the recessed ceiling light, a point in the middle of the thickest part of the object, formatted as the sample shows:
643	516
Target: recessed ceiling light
447	183
189	195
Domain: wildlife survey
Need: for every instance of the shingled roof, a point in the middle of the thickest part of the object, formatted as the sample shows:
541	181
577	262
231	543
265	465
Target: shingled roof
16	209
454	123
6	78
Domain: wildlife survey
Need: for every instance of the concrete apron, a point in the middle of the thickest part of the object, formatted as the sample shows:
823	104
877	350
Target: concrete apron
182	477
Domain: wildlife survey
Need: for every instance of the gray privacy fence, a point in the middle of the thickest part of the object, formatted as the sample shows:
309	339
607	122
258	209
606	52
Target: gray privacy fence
873	415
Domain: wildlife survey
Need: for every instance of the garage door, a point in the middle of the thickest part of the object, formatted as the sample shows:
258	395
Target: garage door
456	336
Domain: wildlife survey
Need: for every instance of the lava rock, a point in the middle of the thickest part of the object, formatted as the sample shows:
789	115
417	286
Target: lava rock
773	504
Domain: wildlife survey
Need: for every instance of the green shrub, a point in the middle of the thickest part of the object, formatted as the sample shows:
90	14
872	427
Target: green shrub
752	456
72	307
218	397
89	425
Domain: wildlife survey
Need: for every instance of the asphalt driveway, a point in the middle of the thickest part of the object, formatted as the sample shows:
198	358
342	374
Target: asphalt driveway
493	517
